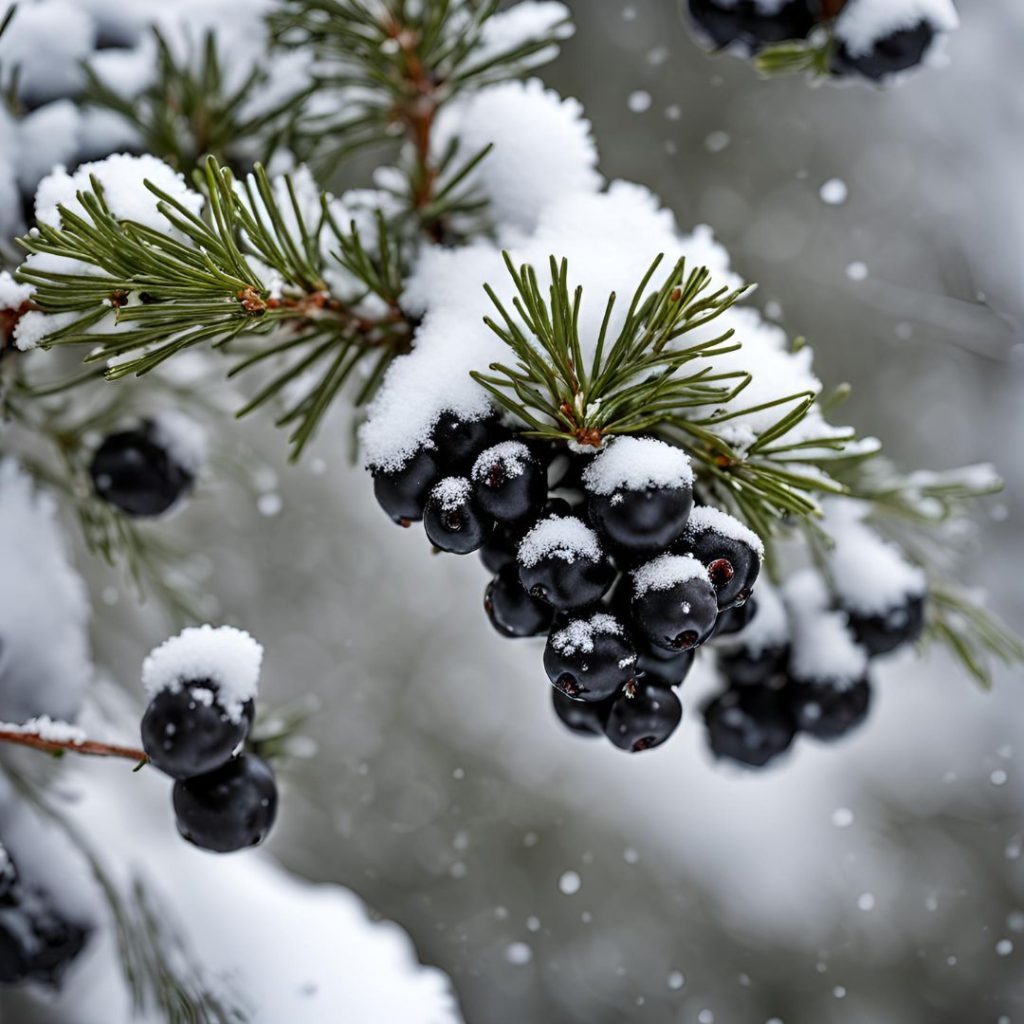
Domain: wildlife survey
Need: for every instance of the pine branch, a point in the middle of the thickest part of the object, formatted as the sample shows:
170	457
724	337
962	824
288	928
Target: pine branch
251	267
189	111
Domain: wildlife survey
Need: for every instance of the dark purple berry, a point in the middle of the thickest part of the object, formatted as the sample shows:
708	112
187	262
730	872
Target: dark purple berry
643	717
674	605
736	619
668	668
746	24
730	552
744	666
880	634
590	659
898	51
751	725
228	809
512	611
640	493
584	718
562	564
133	472
829	710
188	732
510	481
452	518
403	492
459	441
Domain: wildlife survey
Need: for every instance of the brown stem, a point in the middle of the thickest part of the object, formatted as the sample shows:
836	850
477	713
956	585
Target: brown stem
90	748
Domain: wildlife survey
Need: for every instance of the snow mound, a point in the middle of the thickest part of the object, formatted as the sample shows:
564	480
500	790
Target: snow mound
564	537
705	517
667	571
579	635
636	463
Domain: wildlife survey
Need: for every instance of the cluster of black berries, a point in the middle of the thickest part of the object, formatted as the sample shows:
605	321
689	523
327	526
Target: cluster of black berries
806	674
137	472
224	799
753	25
36	943
603	553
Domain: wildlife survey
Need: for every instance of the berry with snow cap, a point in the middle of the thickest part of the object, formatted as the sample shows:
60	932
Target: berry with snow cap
562	564
887	631
829	710
402	490
674	605
640	493
229	809
751	725
510	481
584	718
452	518
458	441
590	659
643	717
512	611
731	552
136	472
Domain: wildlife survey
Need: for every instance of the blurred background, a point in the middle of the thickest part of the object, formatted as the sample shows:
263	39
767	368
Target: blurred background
879	880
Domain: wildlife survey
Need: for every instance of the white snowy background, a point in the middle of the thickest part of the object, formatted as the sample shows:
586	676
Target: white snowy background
880	880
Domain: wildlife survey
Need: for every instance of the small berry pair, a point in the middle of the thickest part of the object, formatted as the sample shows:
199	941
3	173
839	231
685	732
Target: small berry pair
202	685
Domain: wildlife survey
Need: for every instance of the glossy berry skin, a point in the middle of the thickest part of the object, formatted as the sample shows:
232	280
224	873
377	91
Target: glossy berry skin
751	725
459	441
568	585
667	668
402	493
743	23
896	52
229	809
133	473
584	718
643	522
512	611
881	634
733	566
828	711
452	519
188	733
590	675
677	618
644	720
734	620
509	481
743	667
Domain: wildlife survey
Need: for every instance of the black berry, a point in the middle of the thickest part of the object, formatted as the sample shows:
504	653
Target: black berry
643	717
188	732
674	605
136	474
887	56
751	725
745	23
585	718
745	666
734	620
510	481
730	552
590	659
452	518
880	634
561	563
829	710
512	611
228	809
402	492
459	441
669	668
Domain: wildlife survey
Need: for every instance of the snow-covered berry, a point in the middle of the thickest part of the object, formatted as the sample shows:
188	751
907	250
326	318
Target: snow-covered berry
458	441
514	612
136	473
828	709
452	519
640	493
561	562
891	629
510	481
730	551
751	24
643	717
402	491
590	659
674	605
751	725
229	809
